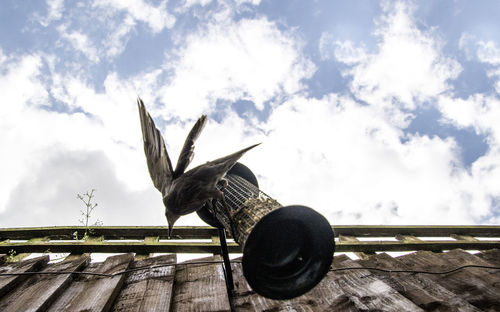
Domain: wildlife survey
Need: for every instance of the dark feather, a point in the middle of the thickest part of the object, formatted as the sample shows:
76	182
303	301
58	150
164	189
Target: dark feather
159	165
187	152
217	169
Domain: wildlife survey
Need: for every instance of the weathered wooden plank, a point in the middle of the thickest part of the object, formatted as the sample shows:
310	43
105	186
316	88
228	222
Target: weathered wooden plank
39	291
337	260
200	287
194	232
73	256
421	290
149	239
360	254
245	299
373	246
92	293
7	283
120	247
459	257
492	256
465	283
17	256
464	237
216	240
148	290
109	232
355	290
407	238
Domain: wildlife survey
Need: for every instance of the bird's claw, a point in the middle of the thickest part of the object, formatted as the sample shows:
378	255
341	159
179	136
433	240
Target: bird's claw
223	183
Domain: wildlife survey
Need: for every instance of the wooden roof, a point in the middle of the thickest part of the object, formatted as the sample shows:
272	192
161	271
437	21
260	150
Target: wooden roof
134	280
200	286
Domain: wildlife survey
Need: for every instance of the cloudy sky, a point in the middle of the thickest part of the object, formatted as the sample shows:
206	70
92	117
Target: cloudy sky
369	112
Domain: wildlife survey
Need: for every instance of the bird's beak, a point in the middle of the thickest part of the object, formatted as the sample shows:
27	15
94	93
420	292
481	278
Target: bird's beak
169	231
171	218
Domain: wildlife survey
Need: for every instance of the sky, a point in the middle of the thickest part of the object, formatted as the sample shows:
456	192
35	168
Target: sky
370	112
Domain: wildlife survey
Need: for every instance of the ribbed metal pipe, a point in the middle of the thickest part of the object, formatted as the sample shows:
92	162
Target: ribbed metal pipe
249	205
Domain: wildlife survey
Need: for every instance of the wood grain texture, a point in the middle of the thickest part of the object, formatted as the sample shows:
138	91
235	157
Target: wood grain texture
109	232
459	257
337	260
148	239
7	283
39	291
91	293
200	287
492	256
17	256
148	290
464	237
144	247
364	291
467	283
355	290
361	255
421	290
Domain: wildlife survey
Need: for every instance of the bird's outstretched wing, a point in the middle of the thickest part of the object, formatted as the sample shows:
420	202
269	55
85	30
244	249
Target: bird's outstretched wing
187	151
159	165
217	168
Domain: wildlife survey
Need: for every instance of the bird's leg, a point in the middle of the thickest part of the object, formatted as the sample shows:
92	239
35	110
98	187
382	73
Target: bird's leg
222	184
213	203
218	195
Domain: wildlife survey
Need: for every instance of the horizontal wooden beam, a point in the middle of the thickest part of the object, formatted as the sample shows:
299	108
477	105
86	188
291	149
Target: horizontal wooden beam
432	245
206	232
210	247
119	247
416	230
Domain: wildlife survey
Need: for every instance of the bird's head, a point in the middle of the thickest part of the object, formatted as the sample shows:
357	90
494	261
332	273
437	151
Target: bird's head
171	218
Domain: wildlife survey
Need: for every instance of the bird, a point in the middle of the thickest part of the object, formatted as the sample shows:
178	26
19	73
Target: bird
183	191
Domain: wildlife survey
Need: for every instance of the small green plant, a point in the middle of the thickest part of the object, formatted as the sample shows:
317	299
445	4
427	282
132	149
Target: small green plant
87	214
11	255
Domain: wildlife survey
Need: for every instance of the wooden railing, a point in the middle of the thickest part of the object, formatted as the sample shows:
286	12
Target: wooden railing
147	239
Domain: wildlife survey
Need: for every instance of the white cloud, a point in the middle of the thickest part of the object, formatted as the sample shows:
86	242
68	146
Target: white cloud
157	18
252	2
51	152
478	111
487	52
249	59
408	67
347	52
345	160
111	24
116	41
344	51
465	43
80	42
190	3
55	9
481	113
350	161
19	72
